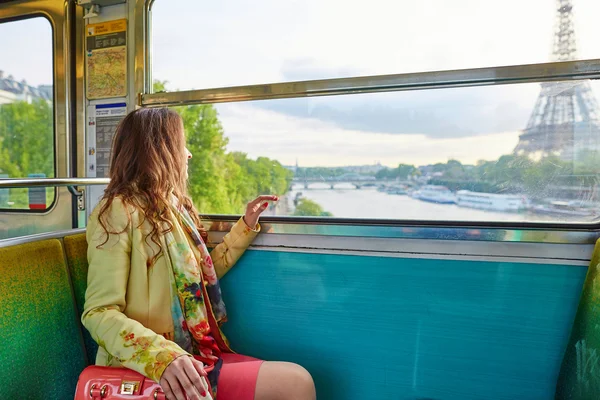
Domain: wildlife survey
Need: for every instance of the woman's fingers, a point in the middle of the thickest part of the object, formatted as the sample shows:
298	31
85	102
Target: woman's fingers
176	388
263	198
166	388
182	380
204	376
256	207
199	367
195	378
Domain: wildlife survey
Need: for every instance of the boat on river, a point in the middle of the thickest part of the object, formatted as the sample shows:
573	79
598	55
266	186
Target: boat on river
491	201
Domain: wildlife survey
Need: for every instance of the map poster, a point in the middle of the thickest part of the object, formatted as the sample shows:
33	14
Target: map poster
106	59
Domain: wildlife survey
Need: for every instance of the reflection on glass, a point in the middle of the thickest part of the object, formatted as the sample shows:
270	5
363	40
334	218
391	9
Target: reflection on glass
227	43
26	111
495	153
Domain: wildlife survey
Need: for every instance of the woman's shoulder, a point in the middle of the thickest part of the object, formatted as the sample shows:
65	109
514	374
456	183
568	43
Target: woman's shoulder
118	213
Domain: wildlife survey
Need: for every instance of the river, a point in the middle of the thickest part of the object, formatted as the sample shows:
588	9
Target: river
348	202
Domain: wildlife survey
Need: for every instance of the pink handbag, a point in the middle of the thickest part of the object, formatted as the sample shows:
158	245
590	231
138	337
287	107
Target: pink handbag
116	383
112	383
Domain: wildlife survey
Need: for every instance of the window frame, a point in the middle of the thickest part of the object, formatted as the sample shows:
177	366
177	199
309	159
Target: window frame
49	207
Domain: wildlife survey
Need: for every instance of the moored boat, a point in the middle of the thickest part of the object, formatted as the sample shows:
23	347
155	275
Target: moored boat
491	201
435	194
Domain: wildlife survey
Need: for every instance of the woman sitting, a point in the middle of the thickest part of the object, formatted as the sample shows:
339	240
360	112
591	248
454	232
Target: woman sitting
153	301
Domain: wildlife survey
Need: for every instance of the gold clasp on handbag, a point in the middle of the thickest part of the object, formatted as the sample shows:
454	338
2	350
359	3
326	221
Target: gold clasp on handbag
129	387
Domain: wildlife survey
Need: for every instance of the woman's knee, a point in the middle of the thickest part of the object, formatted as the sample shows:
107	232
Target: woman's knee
302	378
281	380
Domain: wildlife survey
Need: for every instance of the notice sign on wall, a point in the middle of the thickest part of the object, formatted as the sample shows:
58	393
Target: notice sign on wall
102	124
37	195
106	59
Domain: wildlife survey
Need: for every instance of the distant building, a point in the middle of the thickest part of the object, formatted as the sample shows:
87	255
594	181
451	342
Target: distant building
12	90
566	117
359	169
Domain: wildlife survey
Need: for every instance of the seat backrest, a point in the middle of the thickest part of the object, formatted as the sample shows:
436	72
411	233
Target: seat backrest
76	251
579	377
42	354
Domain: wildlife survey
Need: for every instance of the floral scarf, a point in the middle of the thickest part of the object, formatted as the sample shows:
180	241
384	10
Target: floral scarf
191	315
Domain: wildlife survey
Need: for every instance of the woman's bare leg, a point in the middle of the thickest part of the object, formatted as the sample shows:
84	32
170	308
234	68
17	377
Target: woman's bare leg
284	381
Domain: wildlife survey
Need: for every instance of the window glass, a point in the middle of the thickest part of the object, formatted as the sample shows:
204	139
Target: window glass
198	44
526	152
26	111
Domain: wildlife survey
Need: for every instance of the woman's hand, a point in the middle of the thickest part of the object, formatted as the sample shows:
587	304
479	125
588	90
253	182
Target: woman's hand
184	379
255	208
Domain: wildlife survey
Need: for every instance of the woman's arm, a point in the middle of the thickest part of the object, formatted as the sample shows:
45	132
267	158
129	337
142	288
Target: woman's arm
234	244
132	344
226	253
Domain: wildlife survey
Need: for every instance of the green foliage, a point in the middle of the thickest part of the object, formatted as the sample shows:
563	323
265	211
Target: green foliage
264	175
548	177
319	172
455	185
206	141
26	139
159	86
402	172
308	208
26	147
222	182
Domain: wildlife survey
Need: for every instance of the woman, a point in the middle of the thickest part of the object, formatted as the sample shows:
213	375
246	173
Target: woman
153	298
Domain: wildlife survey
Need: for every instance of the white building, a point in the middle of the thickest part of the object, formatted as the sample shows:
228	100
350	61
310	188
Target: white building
12	90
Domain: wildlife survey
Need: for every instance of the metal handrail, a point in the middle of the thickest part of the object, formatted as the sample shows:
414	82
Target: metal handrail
544	72
12	183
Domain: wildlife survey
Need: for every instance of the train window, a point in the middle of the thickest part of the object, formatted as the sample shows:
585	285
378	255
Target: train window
526	152
237	42
461	154
26	111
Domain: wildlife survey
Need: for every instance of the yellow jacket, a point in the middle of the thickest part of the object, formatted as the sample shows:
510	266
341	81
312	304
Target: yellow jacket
126	295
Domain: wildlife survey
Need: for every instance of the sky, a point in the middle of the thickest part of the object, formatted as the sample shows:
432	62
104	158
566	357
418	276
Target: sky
26	50
199	44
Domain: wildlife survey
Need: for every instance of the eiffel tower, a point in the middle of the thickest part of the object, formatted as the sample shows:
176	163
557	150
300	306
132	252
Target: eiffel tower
565	120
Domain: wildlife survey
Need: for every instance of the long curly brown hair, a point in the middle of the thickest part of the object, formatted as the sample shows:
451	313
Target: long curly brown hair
148	166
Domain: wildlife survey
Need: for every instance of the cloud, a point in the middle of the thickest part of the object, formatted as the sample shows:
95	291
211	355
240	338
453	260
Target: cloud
261	132
444	113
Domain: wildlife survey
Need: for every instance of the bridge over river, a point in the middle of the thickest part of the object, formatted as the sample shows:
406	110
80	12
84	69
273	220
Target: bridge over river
357	180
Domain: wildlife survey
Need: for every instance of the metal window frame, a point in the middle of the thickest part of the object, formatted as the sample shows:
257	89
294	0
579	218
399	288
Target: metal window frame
51	182
7	17
529	73
57	13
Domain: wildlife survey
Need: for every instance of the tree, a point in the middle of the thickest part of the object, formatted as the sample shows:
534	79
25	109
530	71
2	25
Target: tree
207	143
319	172
26	139
454	170
402	171
26	146
222	182
309	208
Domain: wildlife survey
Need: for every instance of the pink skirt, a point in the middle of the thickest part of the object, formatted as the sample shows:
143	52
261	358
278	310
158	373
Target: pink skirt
237	379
